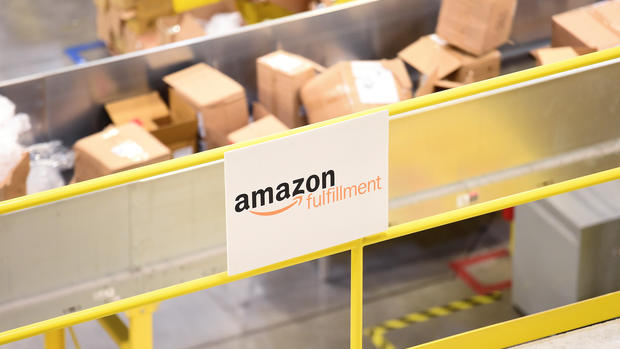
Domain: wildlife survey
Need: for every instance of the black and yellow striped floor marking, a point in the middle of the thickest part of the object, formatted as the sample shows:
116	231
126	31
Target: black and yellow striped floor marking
377	333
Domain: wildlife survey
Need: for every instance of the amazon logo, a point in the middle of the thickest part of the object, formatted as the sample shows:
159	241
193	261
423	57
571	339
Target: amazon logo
295	190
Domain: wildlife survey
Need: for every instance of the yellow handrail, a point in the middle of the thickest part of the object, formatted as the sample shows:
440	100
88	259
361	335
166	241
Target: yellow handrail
356	246
536	326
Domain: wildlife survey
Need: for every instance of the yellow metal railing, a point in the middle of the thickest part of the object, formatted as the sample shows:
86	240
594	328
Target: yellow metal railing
588	312
532	327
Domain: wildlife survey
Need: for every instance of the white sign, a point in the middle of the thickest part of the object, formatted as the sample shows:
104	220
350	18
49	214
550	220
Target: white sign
303	193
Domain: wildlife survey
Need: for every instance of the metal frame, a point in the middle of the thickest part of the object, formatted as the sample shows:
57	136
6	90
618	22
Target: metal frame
591	311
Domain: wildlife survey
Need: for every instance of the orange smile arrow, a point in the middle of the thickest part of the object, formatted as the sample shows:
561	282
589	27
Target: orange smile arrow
296	200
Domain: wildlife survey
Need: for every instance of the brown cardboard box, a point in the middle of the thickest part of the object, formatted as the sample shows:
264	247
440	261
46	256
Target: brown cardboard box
476	26
102	21
259	128
183	125
477	68
353	86
14	185
123	4
430	54
259	111
219	100
444	84
426	84
205	13
431	84
148	108
293	5
148	10
280	76
553	54
177	28
152	113
135	38
183	148
596	27
116	149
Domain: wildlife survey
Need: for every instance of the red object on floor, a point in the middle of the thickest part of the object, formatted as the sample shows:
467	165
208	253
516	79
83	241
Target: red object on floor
460	268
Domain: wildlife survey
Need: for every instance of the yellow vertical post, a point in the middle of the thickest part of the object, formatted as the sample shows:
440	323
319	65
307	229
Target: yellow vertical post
357	288
141	326
55	339
116	329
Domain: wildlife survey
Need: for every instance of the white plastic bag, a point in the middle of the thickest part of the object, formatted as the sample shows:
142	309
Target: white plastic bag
11	127
47	161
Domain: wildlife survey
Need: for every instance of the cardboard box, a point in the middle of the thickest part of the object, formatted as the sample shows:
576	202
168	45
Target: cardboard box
352	86
134	38
183	125
260	128
280	76
14	184
150	112
148	10
596	27
431	54
259	111
205	13
183	148
148	108
293	5
476	26
123	4
116	149
480	68
553	54
431	84
177	28
218	101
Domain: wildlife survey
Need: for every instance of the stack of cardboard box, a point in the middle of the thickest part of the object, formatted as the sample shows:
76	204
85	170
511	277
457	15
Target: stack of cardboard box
352	86
116	149
217	101
595	27
464	48
177	130
280	76
129	25
583	30
293	6
580	31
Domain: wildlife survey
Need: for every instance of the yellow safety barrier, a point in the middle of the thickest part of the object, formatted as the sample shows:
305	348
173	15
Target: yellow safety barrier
535	326
587	312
